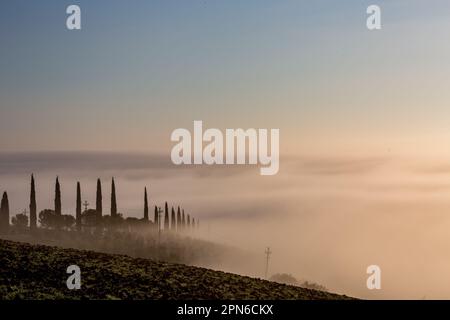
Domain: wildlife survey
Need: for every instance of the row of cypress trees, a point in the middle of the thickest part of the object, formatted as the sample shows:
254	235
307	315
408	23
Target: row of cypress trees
178	221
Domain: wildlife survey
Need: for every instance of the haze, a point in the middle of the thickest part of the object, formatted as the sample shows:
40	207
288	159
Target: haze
363	116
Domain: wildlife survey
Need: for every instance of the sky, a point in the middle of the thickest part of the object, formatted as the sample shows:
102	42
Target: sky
363	118
139	69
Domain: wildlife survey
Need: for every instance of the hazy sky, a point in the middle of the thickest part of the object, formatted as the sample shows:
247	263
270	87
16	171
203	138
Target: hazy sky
139	69
363	118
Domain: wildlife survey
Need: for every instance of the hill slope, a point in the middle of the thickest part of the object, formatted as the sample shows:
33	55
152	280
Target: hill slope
39	272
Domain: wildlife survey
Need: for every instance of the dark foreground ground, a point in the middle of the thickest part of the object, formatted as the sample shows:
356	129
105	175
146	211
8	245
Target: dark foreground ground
39	272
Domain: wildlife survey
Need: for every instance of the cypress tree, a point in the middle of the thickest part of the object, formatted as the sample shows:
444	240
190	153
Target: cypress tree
145	205
166	217
178	218
58	203
33	216
183	221
156	218
113	199
98	207
78	208
173	225
4	212
188	221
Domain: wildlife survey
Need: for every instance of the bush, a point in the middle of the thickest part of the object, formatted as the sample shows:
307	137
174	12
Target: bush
20	221
290	280
48	219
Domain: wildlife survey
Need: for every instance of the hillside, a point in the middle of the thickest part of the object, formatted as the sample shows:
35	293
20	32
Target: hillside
39	272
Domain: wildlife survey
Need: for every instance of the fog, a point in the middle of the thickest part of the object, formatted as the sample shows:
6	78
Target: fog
325	218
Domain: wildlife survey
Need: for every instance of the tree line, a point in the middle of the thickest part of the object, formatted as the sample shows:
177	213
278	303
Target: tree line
174	220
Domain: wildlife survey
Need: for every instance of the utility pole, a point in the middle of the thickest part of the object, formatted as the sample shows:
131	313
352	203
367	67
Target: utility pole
268	253
85	204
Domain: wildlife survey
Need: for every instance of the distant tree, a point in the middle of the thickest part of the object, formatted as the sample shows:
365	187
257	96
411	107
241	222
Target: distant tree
284	278
20	221
4	213
312	286
193	224
132	222
145	205
183	221
188	221
33	206
166	217
78	207
108	221
57	200
113	199
67	221
48	219
290	280
98	207
156	217
173	225
119	218
89	218
179	219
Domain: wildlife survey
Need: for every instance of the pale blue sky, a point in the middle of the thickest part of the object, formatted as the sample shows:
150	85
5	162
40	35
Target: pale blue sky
139	69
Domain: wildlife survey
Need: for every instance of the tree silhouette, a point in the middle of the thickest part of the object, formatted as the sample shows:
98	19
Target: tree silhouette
145	205
67	221
98	206
89	218
78	208
20	221
179	226
58	201
284	278
174	220
33	216
113	200
4	212
166	217
173	225
48	219
183	221
156	217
